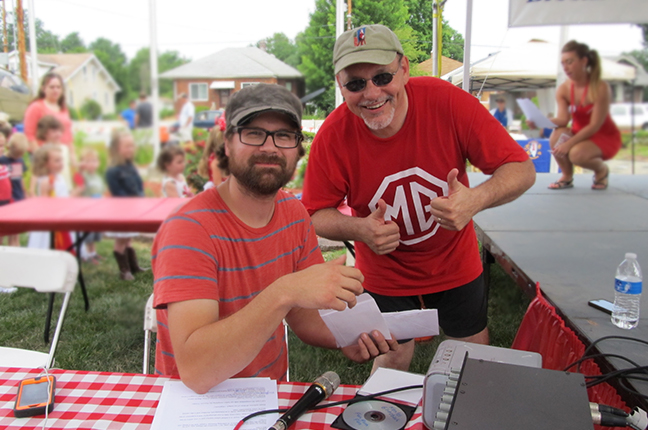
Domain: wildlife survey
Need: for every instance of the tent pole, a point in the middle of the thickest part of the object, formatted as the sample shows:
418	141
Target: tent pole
339	29
632	127
467	41
32	47
155	91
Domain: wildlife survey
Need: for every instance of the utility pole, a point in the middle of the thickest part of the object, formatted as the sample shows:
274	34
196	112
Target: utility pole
4	28
437	36
349	7
20	23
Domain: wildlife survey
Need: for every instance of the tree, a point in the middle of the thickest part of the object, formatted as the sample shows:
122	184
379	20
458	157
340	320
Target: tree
420	19
281	47
46	41
139	71
72	43
316	42
114	60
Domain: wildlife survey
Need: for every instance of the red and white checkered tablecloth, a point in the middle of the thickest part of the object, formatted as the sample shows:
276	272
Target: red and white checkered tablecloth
103	400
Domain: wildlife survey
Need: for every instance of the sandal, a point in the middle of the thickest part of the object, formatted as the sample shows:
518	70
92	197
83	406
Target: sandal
602	183
561	185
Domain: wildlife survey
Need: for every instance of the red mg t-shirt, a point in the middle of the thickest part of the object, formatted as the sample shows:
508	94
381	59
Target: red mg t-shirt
445	126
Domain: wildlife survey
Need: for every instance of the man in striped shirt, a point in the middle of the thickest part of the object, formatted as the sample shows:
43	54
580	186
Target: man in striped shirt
237	259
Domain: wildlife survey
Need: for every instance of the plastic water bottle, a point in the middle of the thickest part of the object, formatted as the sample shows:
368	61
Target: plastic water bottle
627	293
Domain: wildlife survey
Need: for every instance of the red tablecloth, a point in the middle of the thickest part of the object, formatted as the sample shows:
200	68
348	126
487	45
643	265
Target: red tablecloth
102	400
134	214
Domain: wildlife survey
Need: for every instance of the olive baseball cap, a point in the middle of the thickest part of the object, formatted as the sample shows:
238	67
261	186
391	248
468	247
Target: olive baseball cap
375	44
255	99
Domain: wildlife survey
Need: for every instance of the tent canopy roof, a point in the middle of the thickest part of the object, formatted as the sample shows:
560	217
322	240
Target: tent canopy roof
530	66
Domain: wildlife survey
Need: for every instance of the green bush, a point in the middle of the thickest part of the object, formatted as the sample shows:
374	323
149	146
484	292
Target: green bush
74	114
199	134
202	108
144	155
90	109
167	113
641	138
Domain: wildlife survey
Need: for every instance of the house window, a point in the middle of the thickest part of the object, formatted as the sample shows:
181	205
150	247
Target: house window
289	86
247	84
198	92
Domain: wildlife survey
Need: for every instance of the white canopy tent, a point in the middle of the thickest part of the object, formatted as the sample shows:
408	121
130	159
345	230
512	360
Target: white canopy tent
530	66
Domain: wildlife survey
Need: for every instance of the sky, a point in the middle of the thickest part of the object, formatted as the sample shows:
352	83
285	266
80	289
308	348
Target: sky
197	28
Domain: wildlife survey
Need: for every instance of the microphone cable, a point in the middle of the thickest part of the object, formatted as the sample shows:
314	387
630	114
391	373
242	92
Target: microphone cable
328	405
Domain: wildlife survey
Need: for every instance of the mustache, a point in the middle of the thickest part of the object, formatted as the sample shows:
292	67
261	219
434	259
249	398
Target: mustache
374	102
266	158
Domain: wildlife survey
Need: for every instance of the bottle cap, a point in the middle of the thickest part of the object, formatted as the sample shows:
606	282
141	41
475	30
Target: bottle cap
631	255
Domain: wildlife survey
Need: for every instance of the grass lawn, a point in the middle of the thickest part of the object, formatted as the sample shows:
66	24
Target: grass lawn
109	337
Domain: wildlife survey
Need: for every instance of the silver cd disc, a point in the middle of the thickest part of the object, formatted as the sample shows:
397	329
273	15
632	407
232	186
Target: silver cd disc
374	415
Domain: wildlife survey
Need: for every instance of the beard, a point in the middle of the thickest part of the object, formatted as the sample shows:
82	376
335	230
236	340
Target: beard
262	181
382	121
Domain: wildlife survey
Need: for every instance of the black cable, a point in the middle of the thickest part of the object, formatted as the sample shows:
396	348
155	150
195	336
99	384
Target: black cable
623	375
329	405
585	358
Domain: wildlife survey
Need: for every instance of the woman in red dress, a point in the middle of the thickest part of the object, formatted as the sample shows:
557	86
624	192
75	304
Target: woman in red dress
585	100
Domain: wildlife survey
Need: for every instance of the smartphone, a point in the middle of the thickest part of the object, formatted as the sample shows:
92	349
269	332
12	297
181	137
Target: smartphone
602	305
35	396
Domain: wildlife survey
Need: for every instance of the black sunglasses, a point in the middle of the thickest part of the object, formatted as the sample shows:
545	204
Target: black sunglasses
380	80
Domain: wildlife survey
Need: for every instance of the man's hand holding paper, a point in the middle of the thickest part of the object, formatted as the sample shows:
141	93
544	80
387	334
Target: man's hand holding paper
350	326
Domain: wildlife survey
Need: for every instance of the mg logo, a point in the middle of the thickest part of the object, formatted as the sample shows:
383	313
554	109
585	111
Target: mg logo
408	194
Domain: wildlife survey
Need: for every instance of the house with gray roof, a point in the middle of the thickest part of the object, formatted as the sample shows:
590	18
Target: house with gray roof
210	81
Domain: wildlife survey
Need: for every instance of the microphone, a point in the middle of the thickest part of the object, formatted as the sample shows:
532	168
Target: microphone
321	389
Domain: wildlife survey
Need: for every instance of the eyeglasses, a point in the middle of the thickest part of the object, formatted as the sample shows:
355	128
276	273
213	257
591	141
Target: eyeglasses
380	80
254	136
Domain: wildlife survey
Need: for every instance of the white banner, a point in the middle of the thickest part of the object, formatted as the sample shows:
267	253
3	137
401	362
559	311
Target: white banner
559	12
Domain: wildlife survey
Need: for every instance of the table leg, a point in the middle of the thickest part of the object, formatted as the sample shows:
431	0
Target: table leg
79	241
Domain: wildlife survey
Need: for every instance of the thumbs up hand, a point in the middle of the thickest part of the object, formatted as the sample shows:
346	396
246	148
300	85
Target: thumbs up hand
454	211
380	235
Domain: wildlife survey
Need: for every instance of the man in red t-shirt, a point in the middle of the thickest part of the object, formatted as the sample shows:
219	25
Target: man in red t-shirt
237	259
397	151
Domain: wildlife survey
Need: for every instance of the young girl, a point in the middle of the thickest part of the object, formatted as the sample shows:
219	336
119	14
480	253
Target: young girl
172	163
208	166
13	161
90	184
49	182
124	181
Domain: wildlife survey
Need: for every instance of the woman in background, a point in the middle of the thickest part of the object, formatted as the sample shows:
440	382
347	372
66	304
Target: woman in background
585	100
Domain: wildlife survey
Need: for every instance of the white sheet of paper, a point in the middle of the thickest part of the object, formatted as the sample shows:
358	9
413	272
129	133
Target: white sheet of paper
387	379
412	324
221	407
532	113
349	324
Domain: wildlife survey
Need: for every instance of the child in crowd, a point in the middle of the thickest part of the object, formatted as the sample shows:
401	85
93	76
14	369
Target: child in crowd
172	163
48	182
124	181
90	184
208	166
50	130
13	160
5	181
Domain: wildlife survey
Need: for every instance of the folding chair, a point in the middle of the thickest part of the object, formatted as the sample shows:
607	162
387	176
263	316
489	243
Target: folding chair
150	326
46	271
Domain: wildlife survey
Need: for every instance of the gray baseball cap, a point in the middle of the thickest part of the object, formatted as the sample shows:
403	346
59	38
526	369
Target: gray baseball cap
375	44
255	99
